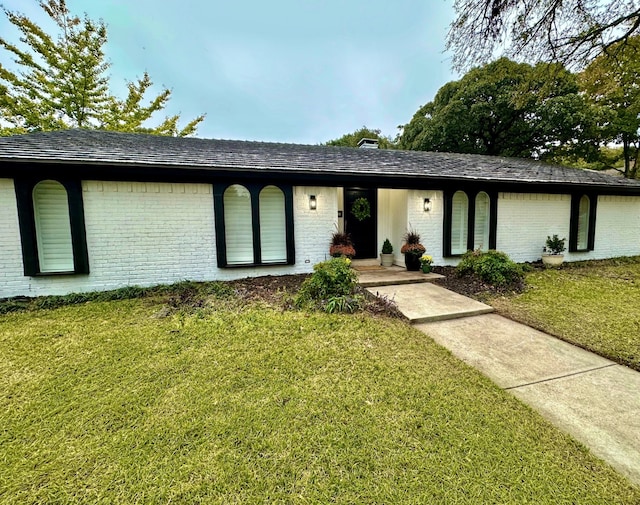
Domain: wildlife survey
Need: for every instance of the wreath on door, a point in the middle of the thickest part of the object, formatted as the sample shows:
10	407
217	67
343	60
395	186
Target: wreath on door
361	209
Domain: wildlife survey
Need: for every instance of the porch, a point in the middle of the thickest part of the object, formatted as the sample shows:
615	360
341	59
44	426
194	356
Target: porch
371	273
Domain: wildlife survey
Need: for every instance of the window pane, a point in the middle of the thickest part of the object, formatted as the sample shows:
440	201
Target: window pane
237	225
583	223
272	225
459	224
53	227
481	225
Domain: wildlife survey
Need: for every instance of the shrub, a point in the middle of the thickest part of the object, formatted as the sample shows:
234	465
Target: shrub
331	287
555	245
493	267
387	248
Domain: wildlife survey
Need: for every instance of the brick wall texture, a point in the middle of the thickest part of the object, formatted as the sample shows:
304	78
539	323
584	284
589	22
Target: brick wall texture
154	233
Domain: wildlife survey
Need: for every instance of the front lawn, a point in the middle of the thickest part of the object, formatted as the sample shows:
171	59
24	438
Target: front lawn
595	305
131	402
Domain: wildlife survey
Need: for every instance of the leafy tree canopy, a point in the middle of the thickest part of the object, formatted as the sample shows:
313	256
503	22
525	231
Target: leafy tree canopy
352	139
569	31
612	81
61	81
505	108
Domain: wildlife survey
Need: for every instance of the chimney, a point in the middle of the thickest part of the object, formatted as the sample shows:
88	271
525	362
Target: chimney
368	144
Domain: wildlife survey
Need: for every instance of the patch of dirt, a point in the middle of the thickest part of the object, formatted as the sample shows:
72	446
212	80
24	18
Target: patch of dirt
471	285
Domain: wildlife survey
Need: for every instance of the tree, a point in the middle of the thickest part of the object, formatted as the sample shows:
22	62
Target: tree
352	139
568	31
62	83
613	82
505	108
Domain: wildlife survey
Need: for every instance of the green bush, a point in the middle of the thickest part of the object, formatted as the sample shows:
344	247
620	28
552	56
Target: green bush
331	287
493	267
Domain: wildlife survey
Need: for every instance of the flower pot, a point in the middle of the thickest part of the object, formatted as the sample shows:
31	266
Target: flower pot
412	262
426	269
386	260
552	260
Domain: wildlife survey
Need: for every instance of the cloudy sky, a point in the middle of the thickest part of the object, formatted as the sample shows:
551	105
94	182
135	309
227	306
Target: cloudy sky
298	71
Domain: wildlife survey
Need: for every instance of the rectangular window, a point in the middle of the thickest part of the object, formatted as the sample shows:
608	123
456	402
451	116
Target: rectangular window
254	225
52	231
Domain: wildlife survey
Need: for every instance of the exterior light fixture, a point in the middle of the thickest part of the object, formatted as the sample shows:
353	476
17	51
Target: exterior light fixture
313	203
427	205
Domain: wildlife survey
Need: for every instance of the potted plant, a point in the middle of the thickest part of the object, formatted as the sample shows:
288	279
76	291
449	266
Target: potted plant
386	256
412	250
552	251
341	245
425	263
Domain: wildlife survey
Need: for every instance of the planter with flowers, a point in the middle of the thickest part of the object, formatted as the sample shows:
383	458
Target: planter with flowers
341	245
412	250
425	263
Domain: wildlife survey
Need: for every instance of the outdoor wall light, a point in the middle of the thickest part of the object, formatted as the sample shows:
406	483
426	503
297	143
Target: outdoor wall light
427	205
313	203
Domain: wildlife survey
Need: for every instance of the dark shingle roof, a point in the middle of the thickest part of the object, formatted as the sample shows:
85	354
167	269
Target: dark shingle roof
95	147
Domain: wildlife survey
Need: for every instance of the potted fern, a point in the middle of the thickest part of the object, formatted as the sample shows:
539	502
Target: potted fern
552	251
386	256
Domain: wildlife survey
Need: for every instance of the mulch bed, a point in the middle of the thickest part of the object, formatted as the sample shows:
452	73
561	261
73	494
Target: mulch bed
280	290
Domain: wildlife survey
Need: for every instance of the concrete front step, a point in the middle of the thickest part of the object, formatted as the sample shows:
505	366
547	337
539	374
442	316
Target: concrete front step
390	276
426	302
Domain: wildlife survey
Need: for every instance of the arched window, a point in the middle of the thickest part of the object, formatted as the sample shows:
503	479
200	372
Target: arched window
470	221
481	224
52	233
53	227
273	236
238	226
254	224
583	222
459	222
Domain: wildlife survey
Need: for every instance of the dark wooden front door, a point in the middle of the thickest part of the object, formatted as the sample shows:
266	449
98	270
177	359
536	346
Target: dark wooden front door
363	232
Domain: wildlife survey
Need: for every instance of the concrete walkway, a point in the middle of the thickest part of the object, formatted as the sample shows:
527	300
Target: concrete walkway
595	400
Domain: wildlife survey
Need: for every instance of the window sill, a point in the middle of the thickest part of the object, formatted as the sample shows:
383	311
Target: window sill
255	265
55	274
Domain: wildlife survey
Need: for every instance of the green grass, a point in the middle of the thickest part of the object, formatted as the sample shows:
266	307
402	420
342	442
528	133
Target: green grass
106	402
593	304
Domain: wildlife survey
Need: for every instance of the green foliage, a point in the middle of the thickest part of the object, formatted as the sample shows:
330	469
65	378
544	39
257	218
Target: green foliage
508	109
555	245
62	81
361	209
107	404
387	248
493	267
352	139
611	82
332	286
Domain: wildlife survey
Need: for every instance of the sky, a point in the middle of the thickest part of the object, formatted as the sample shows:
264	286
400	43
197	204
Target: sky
297	71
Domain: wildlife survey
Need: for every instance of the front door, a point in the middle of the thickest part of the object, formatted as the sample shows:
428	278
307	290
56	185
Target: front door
360	220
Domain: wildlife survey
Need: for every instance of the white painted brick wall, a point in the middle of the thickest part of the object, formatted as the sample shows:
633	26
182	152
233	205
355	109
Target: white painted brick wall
153	233
525	221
